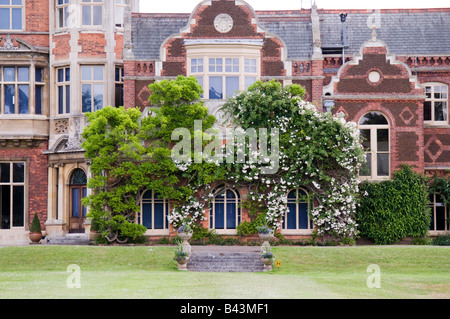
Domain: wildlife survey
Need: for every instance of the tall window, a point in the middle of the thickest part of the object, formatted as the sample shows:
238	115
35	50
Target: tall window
436	103
119	10
92	88
225	211
11	14
374	129
39	90
63	85
154	211
92	12
16	90
222	77
297	216
119	87
62	13
12	195
440	219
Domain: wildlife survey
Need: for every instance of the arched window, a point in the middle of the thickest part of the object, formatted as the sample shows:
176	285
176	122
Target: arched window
78	191
225	212
297	216
154	211
374	129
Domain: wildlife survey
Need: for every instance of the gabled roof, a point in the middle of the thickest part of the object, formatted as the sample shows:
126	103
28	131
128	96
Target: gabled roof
406	32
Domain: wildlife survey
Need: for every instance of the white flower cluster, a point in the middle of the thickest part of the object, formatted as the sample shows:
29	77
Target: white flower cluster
189	213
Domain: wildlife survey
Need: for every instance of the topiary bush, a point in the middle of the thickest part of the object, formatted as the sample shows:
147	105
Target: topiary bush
35	225
394	209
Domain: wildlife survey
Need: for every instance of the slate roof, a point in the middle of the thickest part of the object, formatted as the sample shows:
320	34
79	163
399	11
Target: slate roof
148	32
408	32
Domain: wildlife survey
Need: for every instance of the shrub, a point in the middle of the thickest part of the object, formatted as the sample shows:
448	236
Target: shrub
35	225
395	209
442	240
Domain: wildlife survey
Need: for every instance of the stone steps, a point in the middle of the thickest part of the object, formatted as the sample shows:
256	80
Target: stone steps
225	261
69	239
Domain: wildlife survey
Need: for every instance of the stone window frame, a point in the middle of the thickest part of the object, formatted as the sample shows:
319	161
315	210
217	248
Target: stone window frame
236	201
152	201
32	84
92	4
373	129
298	200
11	183
435	204
433	100
62	11
12	6
93	82
119	11
65	84
242	53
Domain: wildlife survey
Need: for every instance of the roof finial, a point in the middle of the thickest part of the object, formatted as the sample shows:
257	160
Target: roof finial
374	32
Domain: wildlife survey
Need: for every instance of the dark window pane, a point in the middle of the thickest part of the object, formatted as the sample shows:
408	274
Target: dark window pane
383	164
60	75
427	111
440	111
5	207
67	74
23	99
373	118
38	99
75	202
119	95
67	98
39	73
9	99
18	172
5	172
18	206
60	99
440	217
365	134
383	140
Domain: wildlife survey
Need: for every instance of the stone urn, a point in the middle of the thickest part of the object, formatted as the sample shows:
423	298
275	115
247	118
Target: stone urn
265	237
35	237
182	263
268	263
185	237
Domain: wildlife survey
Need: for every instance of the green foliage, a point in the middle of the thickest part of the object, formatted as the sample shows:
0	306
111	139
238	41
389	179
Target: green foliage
442	240
394	209
130	154
35	224
441	186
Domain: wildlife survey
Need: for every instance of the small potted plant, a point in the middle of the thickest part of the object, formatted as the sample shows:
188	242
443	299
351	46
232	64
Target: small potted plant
182	258
267	260
35	230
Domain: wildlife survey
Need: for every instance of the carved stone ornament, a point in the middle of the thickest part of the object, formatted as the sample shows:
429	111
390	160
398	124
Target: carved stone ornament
223	23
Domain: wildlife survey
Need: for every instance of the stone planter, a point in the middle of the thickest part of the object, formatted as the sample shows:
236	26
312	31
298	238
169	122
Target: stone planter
182	264
268	263
185	237
265	238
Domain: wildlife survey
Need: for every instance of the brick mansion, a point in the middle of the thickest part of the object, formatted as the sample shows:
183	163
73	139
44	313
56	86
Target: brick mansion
387	70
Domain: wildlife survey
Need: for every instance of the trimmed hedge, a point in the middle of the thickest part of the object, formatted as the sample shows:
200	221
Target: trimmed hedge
392	210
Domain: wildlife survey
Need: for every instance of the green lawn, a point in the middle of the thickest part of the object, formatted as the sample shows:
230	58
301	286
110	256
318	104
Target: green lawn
150	272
